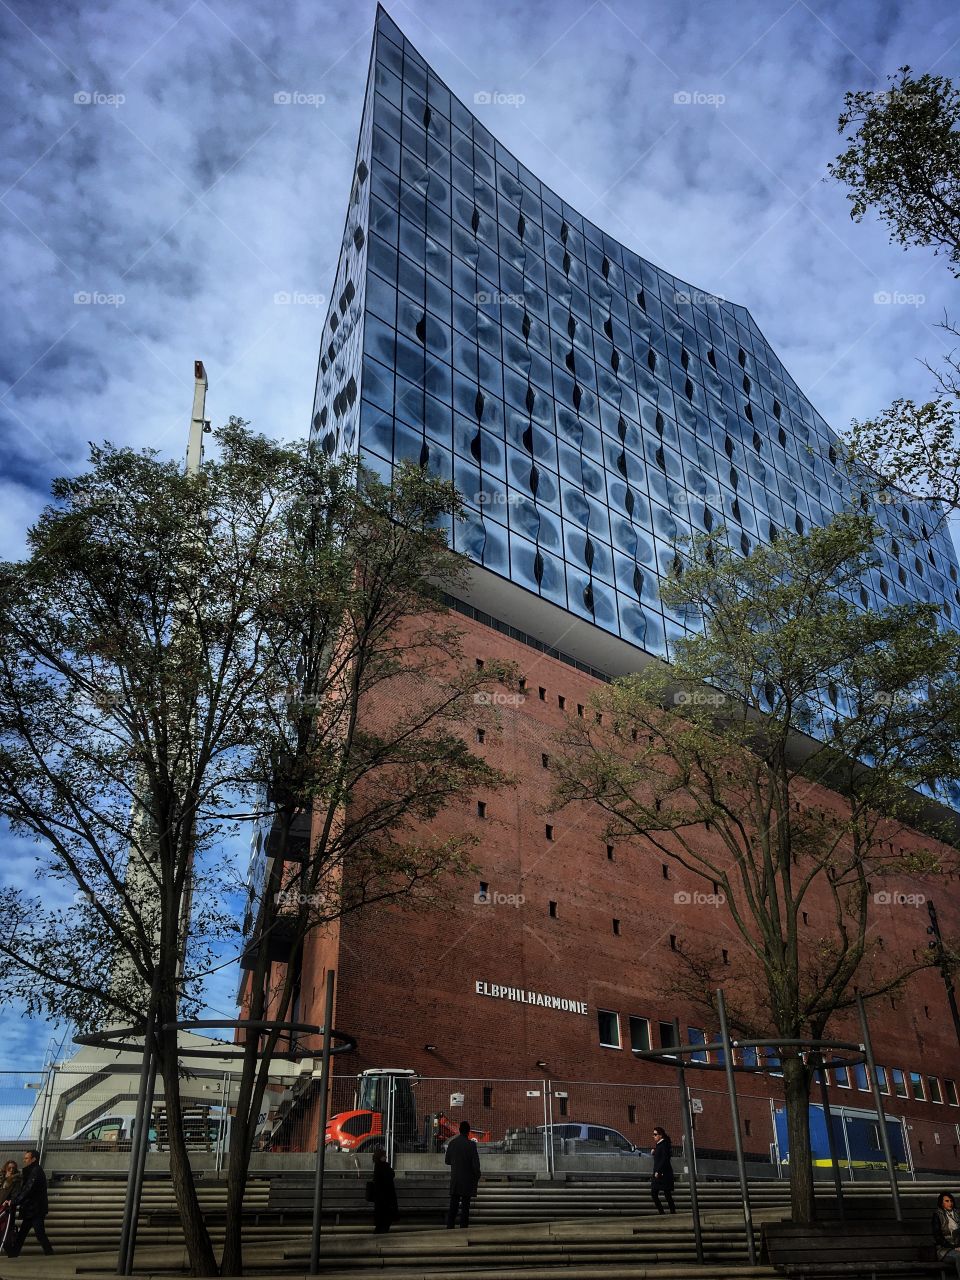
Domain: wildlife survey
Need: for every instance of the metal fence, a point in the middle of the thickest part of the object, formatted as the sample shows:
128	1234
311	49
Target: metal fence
82	1117
934	1145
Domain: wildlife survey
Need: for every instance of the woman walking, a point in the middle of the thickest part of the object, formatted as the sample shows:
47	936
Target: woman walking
662	1180
9	1186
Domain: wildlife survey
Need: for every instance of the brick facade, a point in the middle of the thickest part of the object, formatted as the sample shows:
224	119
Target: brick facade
408	979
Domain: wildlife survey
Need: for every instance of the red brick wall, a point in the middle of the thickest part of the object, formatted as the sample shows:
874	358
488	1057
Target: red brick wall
406	979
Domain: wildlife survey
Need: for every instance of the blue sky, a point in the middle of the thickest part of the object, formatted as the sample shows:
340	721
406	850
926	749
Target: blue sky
149	168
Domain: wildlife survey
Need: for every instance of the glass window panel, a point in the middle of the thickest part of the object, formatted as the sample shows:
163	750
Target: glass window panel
609	1027
639	1034
697	1036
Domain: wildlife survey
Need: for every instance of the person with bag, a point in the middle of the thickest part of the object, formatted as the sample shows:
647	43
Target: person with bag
9	1186
382	1192
662	1180
31	1205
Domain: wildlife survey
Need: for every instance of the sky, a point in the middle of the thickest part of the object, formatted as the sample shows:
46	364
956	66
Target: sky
175	176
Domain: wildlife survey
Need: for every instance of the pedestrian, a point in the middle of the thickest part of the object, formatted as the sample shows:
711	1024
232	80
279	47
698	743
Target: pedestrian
9	1186
383	1193
464	1161
31	1205
662	1180
945	1225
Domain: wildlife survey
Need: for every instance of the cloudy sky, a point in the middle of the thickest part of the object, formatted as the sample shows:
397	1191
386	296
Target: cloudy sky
157	198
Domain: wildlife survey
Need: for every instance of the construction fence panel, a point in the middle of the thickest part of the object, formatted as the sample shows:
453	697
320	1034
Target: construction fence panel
713	1123
934	1145
21	1106
609	1127
507	1118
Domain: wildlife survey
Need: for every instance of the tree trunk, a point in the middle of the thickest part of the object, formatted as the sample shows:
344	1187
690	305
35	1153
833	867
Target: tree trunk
252	1088
196	1238
231	1263
796	1093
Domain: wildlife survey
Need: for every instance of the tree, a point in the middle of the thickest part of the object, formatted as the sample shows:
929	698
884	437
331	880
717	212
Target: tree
903	160
148	647
912	450
726	761
365	749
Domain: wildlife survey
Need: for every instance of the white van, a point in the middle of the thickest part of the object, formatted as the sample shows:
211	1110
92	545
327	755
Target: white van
115	1130
110	1131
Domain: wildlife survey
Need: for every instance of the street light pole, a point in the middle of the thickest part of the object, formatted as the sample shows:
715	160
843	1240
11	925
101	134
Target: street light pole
735	1122
688	1146
878	1103
322	1128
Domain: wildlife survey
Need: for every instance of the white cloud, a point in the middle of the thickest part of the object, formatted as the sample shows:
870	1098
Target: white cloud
197	198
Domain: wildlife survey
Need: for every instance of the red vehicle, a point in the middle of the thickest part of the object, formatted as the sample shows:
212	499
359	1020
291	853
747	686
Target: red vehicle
383	1091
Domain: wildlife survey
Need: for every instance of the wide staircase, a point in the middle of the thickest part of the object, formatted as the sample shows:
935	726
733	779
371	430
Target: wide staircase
580	1228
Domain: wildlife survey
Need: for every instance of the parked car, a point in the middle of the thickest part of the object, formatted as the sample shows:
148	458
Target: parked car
574	1139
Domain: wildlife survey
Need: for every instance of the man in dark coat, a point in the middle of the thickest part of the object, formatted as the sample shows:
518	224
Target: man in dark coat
464	1161
383	1193
662	1180
31	1205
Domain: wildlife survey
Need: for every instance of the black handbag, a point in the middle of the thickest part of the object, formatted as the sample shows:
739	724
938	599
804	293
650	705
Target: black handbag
370	1189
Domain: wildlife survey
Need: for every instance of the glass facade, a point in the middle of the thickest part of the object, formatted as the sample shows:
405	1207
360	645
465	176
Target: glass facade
591	408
